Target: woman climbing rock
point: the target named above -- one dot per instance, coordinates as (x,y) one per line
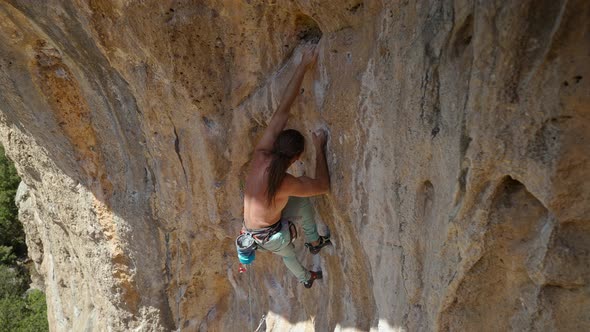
(273,199)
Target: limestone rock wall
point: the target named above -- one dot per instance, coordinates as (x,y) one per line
(459,158)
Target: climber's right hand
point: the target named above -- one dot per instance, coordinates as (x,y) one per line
(309,56)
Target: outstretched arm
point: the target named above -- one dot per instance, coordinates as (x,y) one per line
(279,118)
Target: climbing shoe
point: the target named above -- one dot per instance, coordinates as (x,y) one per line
(314,275)
(323,241)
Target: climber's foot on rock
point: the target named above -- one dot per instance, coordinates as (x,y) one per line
(322,242)
(314,275)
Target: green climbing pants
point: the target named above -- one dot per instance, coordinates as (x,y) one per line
(298,209)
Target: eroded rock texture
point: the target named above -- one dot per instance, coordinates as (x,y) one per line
(459,158)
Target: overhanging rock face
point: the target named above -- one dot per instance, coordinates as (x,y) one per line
(459,155)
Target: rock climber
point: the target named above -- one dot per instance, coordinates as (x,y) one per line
(273,198)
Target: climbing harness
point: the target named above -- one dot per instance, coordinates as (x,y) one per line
(262,235)
(250,240)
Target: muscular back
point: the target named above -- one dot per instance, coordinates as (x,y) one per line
(257,212)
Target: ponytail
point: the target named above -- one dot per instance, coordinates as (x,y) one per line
(276,173)
(289,144)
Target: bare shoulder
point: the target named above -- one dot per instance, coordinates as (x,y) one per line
(288,185)
(261,153)
(260,156)
(302,186)
(257,166)
(289,181)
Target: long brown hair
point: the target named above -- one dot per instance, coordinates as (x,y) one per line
(289,144)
